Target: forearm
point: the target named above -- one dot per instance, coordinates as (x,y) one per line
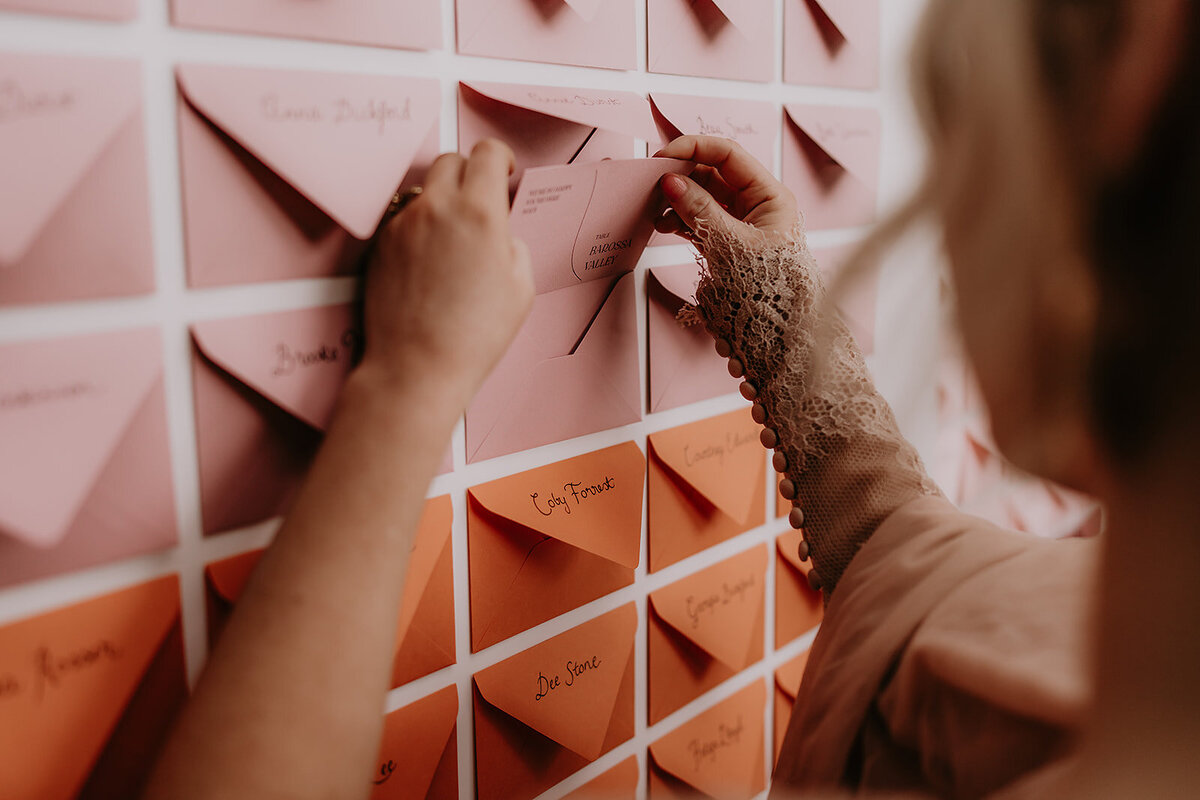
(291,702)
(845,455)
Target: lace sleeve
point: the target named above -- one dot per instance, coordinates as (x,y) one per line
(846,457)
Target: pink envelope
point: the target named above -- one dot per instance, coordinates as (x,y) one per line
(831,43)
(74,208)
(856,300)
(85,474)
(684,367)
(831,162)
(265,389)
(408,24)
(732,39)
(553,125)
(587,33)
(286,173)
(114,10)
(573,368)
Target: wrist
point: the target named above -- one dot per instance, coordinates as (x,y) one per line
(404,394)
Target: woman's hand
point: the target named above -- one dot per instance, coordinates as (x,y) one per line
(448,285)
(728,190)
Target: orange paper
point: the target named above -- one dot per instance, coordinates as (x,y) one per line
(618,783)
(798,607)
(718,754)
(787,683)
(704,629)
(707,483)
(425,633)
(88,693)
(418,756)
(551,539)
(550,710)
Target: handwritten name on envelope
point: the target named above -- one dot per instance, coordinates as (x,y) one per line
(720,753)
(554,708)
(551,539)
(704,629)
(831,162)
(88,694)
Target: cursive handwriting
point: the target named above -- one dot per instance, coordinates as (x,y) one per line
(289,359)
(578,490)
(547,684)
(52,669)
(733,441)
(385,771)
(16,103)
(574,100)
(697,607)
(728,130)
(342,111)
(24,398)
(706,750)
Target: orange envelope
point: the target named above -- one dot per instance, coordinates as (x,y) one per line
(287,173)
(425,632)
(783,506)
(418,757)
(732,39)
(85,471)
(549,540)
(74,208)
(720,753)
(88,694)
(798,608)
(550,710)
(704,629)
(707,483)
(787,683)
(831,43)
(618,783)
(831,163)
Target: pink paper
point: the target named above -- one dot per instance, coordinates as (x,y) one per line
(732,39)
(550,125)
(831,163)
(754,124)
(85,475)
(684,367)
(856,300)
(409,24)
(588,33)
(285,173)
(831,43)
(74,209)
(113,10)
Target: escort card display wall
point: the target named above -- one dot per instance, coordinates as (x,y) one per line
(603,596)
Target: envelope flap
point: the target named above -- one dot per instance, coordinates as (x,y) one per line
(65,405)
(788,677)
(585,8)
(719,457)
(679,280)
(296,359)
(622,112)
(57,115)
(846,15)
(719,752)
(566,688)
(229,576)
(715,608)
(788,545)
(433,534)
(415,737)
(592,502)
(739,12)
(850,136)
(68,676)
(344,141)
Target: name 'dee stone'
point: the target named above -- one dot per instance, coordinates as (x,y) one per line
(545,685)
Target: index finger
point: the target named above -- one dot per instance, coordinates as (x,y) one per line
(737,167)
(487,170)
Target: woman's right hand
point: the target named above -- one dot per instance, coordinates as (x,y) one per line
(728,190)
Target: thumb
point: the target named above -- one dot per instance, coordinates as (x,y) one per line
(693,203)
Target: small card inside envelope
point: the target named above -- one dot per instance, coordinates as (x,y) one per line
(583,222)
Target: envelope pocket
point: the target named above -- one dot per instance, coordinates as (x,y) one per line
(720,753)
(587,33)
(552,539)
(554,708)
(286,174)
(831,43)
(707,483)
(798,607)
(418,757)
(831,163)
(711,38)
(704,629)
(89,693)
(572,370)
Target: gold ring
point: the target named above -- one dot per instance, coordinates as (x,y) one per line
(401,199)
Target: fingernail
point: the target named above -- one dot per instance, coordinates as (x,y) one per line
(674,187)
